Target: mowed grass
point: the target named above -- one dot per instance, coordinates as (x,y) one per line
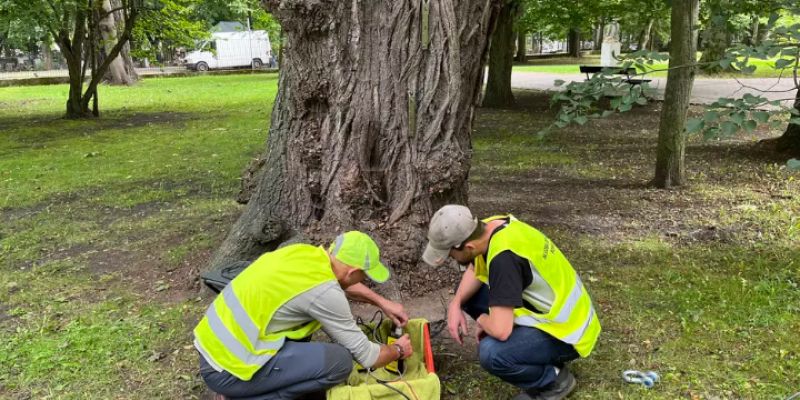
(569,66)
(101,222)
(104,224)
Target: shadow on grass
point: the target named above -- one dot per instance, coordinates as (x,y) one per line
(33,132)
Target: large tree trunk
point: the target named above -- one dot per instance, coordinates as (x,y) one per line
(574,42)
(522,51)
(501,59)
(644,35)
(121,70)
(753,39)
(716,37)
(790,140)
(371,125)
(680,78)
(597,42)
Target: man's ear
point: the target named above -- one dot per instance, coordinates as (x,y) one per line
(350,272)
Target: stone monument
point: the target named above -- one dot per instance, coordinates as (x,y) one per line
(611,45)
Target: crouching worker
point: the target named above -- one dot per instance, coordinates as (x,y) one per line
(533,313)
(254,338)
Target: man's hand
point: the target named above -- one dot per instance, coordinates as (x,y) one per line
(405,343)
(479,333)
(396,312)
(456,323)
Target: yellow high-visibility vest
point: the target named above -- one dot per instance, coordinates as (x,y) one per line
(572,317)
(232,333)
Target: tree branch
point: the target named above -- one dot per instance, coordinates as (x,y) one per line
(126,35)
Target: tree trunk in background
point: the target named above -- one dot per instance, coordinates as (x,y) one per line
(121,70)
(753,39)
(574,42)
(501,59)
(790,140)
(47,56)
(644,35)
(671,131)
(369,130)
(522,51)
(716,38)
(597,42)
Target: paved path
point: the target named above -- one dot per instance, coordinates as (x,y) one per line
(705,91)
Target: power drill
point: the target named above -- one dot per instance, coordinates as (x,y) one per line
(395,367)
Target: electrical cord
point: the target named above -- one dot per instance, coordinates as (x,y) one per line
(374,323)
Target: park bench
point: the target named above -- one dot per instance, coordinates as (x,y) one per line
(629,73)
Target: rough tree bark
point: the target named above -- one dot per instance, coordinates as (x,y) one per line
(121,70)
(574,42)
(789,142)
(597,36)
(501,59)
(644,34)
(370,129)
(752,40)
(78,54)
(680,78)
(522,51)
(716,37)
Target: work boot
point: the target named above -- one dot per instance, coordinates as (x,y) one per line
(563,385)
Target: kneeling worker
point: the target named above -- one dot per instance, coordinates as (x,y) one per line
(533,313)
(253,339)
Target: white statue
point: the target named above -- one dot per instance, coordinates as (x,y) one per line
(610,48)
(611,31)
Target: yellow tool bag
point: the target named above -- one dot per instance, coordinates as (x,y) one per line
(417,382)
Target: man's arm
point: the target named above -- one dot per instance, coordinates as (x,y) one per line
(498,323)
(456,322)
(393,310)
(467,288)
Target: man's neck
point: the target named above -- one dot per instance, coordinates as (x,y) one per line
(491,226)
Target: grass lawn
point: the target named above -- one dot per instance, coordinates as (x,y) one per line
(569,66)
(106,223)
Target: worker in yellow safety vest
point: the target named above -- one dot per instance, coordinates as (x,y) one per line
(254,338)
(533,313)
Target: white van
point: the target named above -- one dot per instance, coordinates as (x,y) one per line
(231,50)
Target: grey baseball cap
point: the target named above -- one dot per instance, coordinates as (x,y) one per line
(449,227)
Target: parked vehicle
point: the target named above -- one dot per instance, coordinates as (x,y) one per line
(231,50)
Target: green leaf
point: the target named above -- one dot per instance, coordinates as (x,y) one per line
(641,100)
(760,116)
(737,118)
(750,125)
(795,121)
(559,82)
(793,164)
(694,125)
(782,63)
(625,107)
(750,99)
(729,128)
(607,113)
(581,119)
(711,133)
(711,116)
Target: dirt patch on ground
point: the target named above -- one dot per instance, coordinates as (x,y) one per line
(34,138)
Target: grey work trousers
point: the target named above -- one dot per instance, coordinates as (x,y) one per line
(298,369)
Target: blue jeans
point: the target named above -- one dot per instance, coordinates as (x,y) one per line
(298,369)
(527,359)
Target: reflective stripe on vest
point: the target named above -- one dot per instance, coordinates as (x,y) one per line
(245,323)
(572,317)
(234,346)
(233,333)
